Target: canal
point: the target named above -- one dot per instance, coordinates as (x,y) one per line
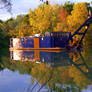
(46,71)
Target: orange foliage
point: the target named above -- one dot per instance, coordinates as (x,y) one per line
(62,15)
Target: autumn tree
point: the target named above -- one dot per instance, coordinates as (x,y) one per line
(62,20)
(23,29)
(43,19)
(77,17)
(11,25)
(18,27)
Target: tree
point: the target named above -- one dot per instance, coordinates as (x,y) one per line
(24,28)
(3,35)
(89,7)
(45,1)
(12,25)
(6,4)
(62,20)
(62,15)
(43,19)
(68,6)
(77,17)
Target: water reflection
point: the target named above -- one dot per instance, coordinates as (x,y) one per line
(57,71)
(55,58)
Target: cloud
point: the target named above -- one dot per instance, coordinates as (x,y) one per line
(4,15)
(20,7)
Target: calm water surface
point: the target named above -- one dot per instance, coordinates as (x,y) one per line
(46,71)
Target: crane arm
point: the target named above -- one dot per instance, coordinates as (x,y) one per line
(86,25)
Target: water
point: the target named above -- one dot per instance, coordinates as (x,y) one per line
(46,71)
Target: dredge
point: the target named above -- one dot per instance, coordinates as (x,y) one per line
(51,40)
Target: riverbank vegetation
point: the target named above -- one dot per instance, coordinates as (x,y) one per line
(48,18)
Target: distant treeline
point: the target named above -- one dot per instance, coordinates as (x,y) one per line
(47,18)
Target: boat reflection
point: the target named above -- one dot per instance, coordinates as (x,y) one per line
(55,58)
(66,70)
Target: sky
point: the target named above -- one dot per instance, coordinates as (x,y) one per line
(22,7)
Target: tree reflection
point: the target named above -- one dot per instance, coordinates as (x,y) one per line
(57,78)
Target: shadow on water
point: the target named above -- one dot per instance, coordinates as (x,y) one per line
(57,71)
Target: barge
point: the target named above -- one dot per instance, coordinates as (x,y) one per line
(48,41)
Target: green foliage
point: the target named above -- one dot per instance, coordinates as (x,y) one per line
(68,6)
(13,25)
(89,7)
(23,29)
(4,38)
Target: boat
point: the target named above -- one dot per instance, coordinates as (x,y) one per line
(51,40)
(48,41)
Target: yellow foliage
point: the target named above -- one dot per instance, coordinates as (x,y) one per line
(43,18)
(79,77)
(77,17)
(58,27)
